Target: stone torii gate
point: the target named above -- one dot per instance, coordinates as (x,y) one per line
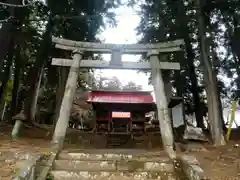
(153,50)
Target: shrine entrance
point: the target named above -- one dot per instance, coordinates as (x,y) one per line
(120,111)
(155,54)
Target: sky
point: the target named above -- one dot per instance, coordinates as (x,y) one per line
(125,33)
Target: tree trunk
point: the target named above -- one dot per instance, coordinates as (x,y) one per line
(209,104)
(63,120)
(16,129)
(224,128)
(33,107)
(36,73)
(235,43)
(211,83)
(5,39)
(215,72)
(4,91)
(238,81)
(185,33)
(194,87)
(30,104)
(162,107)
(4,101)
(5,80)
(17,74)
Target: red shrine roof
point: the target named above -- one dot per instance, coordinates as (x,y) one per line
(128,97)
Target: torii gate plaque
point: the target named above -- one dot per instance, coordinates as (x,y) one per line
(154,65)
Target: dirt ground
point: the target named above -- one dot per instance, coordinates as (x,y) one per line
(11,151)
(222,163)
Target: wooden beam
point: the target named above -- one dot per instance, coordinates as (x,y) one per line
(125,48)
(99,64)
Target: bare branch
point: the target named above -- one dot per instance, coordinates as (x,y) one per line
(6,20)
(16,5)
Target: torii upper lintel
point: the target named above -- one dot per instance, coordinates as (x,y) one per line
(70,45)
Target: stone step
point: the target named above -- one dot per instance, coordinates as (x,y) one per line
(121,165)
(110,157)
(93,157)
(85,175)
(110,151)
(116,141)
(113,155)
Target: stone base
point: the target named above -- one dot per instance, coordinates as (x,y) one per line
(84,175)
(192,146)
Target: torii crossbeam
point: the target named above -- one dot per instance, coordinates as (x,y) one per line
(116,50)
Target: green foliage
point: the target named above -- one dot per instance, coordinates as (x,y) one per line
(8,96)
(50,177)
(77,20)
(168,20)
(114,84)
(132,86)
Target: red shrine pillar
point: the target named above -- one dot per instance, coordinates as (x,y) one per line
(109,121)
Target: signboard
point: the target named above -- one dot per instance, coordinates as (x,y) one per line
(121,115)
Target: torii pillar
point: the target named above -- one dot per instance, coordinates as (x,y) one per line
(162,104)
(63,118)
